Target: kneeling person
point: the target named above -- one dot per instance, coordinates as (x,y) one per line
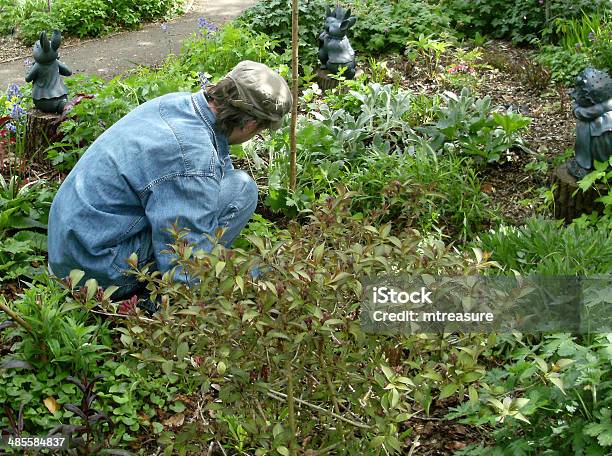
(166,160)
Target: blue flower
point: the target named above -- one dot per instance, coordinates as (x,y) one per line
(11,127)
(13,91)
(204,24)
(164,27)
(17,111)
(28,62)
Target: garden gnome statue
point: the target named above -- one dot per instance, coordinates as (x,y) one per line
(593,111)
(335,51)
(49,91)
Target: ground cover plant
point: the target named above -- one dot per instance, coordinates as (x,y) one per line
(432,162)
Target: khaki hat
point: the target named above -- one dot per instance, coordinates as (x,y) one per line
(264,93)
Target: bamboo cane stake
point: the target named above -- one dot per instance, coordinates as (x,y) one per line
(294,89)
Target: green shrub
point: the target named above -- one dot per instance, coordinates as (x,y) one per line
(522,21)
(387,26)
(273,17)
(67,339)
(416,178)
(565,65)
(92,17)
(421,190)
(218,52)
(600,49)
(9,16)
(254,345)
(29,29)
(582,42)
(149,10)
(82,18)
(24,211)
(471,126)
(123,13)
(31,6)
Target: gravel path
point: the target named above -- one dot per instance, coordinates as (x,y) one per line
(114,54)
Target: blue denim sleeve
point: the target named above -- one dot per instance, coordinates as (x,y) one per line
(190,200)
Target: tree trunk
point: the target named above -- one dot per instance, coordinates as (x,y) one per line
(41,131)
(569,206)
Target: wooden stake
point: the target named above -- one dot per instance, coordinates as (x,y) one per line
(294,89)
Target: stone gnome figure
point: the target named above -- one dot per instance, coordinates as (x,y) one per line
(593,111)
(335,51)
(49,91)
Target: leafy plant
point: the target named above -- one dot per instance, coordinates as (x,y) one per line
(564,65)
(9,15)
(30,28)
(82,18)
(90,18)
(546,247)
(556,392)
(469,125)
(92,434)
(388,26)
(575,33)
(599,178)
(428,50)
(265,336)
(218,52)
(24,210)
(522,21)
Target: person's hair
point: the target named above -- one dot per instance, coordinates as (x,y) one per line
(229,117)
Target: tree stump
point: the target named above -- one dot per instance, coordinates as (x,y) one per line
(324,81)
(327,83)
(41,131)
(569,206)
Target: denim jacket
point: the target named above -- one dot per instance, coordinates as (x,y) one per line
(160,163)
